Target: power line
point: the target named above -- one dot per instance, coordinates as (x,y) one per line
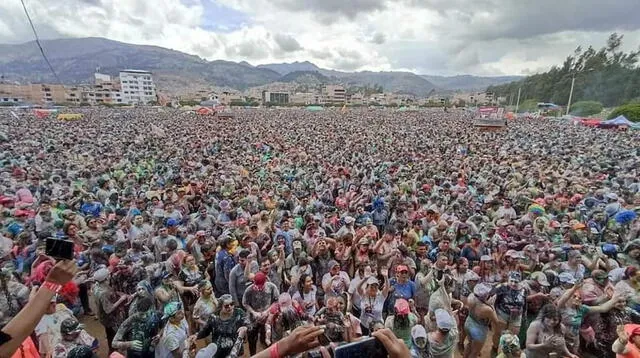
(38,42)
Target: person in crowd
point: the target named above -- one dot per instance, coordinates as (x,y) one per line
(73,335)
(137,333)
(284,316)
(173,341)
(227,329)
(111,305)
(546,335)
(510,305)
(372,298)
(320,206)
(206,305)
(257,300)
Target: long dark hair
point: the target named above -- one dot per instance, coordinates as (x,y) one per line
(551,311)
(303,278)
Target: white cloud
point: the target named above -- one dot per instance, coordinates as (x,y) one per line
(488,37)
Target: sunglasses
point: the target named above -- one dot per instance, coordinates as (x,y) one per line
(227,305)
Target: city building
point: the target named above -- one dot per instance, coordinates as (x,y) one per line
(474,99)
(34,93)
(305,98)
(137,87)
(275,97)
(334,94)
(10,99)
(228,97)
(355,99)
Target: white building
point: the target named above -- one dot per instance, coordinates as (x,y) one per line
(275,97)
(334,94)
(137,87)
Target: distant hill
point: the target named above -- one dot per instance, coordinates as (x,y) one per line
(405,82)
(305,77)
(468,82)
(286,68)
(75,61)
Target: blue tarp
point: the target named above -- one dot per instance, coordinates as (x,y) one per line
(619,121)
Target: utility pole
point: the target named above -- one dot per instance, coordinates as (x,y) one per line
(573,81)
(518,100)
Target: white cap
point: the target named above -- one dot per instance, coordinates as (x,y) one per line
(208,351)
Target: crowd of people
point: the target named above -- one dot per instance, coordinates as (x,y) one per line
(290,233)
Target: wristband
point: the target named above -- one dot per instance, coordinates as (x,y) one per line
(273,351)
(53,287)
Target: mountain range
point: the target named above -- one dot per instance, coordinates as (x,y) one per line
(75,60)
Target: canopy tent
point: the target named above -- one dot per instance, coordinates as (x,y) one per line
(43,113)
(590,122)
(618,121)
(210,103)
(203,111)
(314,108)
(69,116)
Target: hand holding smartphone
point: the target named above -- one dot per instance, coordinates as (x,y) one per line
(366,348)
(59,249)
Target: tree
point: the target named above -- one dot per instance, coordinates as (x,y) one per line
(607,75)
(529,105)
(586,108)
(631,111)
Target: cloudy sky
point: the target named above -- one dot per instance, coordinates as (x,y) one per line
(482,37)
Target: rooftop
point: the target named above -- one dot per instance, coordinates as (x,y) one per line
(136,71)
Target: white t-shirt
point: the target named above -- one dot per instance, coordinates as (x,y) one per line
(307,298)
(339,285)
(50,324)
(371,309)
(173,337)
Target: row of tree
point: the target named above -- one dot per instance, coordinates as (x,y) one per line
(608,75)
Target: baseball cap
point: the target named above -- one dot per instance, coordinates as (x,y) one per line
(401,268)
(599,274)
(171,222)
(515,276)
(170,309)
(333,263)
(482,291)
(101,275)
(573,254)
(373,281)
(444,320)
(363,241)
(567,278)
(418,331)
(208,351)
(471,276)
(226,299)
(401,307)
(260,279)
(70,325)
(540,277)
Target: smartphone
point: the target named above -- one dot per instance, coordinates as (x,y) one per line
(366,348)
(59,249)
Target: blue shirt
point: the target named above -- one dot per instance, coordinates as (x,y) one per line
(405,290)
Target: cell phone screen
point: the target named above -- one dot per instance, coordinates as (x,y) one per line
(366,348)
(59,249)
